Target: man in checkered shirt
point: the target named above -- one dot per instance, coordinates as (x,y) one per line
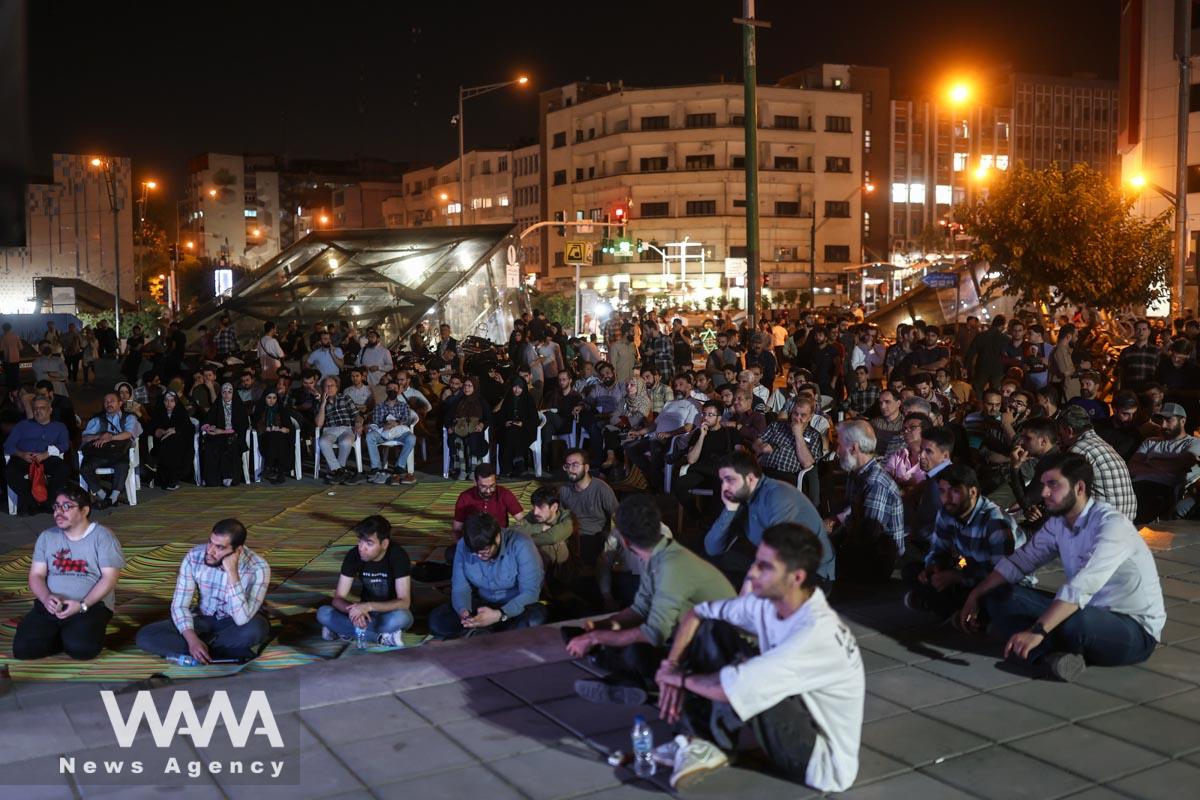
(868,534)
(781,455)
(225,339)
(229,623)
(1139,361)
(341,425)
(657,352)
(1112,482)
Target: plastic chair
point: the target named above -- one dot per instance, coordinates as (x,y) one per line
(317,453)
(297,471)
(487,457)
(131,480)
(245,459)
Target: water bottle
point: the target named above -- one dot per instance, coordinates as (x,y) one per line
(183,660)
(643,748)
(360,638)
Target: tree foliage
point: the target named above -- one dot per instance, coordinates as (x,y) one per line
(1060,238)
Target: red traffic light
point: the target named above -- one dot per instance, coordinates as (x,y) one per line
(619,212)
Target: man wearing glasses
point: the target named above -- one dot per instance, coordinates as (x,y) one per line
(73,579)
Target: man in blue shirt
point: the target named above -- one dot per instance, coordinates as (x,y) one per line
(42,441)
(106,442)
(496,582)
(754,503)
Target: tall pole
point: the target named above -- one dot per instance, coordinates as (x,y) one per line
(1183,49)
(750,118)
(462,178)
(812,250)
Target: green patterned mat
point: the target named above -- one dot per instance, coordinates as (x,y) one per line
(301,531)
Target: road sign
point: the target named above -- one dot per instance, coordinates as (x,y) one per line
(735,268)
(940,280)
(578,253)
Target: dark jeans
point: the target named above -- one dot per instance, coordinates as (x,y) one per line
(119,465)
(16,473)
(1154,501)
(12,374)
(41,634)
(696,478)
(73,366)
(785,731)
(649,455)
(224,637)
(943,603)
(864,554)
(1104,638)
(444,622)
(633,665)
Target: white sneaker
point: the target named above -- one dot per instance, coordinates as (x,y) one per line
(665,753)
(695,759)
(391,639)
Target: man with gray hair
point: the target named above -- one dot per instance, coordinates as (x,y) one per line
(868,534)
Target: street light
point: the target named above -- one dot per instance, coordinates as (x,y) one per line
(959,94)
(467,94)
(1139,182)
(108,170)
(323,219)
(147,186)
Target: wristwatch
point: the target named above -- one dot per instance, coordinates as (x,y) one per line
(1038,629)
(83,606)
(503,617)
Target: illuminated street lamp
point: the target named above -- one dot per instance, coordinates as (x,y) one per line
(959,94)
(108,170)
(323,219)
(1139,182)
(467,94)
(212,193)
(147,186)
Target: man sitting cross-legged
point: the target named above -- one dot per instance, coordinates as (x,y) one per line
(382,569)
(632,642)
(800,690)
(229,625)
(1110,609)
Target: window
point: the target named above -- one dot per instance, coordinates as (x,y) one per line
(837,164)
(594,214)
(737,119)
(656,123)
(866,223)
(868,101)
(700,121)
(837,124)
(985,161)
(941,195)
(560,177)
(486,169)
(454,208)
(837,208)
(656,164)
(559,259)
(591,172)
(591,133)
(579,173)
(960,162)
(790,123)
(579,135)
(739,202)
(837,253)
(655,210)
(901,126)
(867,140)
(560,139)
(250,212)
(787,208)
(699,162)
(737,162)
(701,208)
(737,251)
(787,253)
(916,193)
(787,162)
(899,192)
(502,164)
(1001,162)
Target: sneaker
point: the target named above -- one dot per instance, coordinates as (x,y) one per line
(353,478)
(407,478)
(1066,667)
(380,477)
(694,760)
(174,487)
(327,634)
(913,602)
(607,691)
(665,753)
(391,639)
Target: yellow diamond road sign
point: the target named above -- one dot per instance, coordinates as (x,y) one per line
(578,253)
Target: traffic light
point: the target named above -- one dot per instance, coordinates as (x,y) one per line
(174,251)
(766,278)
(619,217)
(559,216)
(641,246)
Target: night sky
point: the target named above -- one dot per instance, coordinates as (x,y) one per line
(339,79)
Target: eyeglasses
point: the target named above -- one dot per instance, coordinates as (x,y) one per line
(64,507)
(911,428)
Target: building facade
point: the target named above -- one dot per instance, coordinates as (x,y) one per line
(1062,121)
(527,201)
(70,233)
(360,205)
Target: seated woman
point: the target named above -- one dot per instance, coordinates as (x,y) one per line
(276,437)
(73,579)
(174,445)
(466,422)
(515,428)
(224,440)
(634,412)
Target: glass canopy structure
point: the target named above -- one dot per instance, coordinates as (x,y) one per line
(389,279)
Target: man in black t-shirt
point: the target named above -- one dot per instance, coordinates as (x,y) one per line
(382,570)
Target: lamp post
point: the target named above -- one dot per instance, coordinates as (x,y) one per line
(466,94)
(959,94)
(1139,182)
(108,170)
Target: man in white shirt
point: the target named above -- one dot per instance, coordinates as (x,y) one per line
(1109,612)
(375,359)
(801,690)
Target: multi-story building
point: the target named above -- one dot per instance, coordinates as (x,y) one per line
(527,201)
(672,160)
(1061,120)
(429,196)
(1148,114)
(70,233)
(360,205)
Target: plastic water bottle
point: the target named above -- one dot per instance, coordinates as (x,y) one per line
(643,748)
(183,660)
(360,638)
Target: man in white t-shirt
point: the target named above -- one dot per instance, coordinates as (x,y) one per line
(801,690)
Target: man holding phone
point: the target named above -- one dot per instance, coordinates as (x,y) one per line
(228,626)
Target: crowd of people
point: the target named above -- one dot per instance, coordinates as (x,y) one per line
(798,458)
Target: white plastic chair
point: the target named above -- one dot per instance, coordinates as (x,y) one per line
(297,470)
(12,494)
(535,447)
(131,480)
(487,457)
(358,446)
(245,459)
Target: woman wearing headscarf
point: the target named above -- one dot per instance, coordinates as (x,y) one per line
(174,444)
(467,421)
(224,439)
(276,437)
(633,413)
(515,427)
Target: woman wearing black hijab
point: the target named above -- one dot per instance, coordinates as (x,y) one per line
(276,437)
(515,427)
(174,446)
(224,440)
(466,423)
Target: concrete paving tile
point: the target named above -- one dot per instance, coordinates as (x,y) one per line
(875,662)
(1168,568)
(910,784)
(917,740)
(192,791)
(586,719)
(382,759)
(1097,793)
(1150,728)
(1163,782)
(745,784)
(35,779)
(559,772)
(1188,613)
(634,790)
(1176,662)
(1185,704)
(1003,774)
(873,766)
(47,732)
(1062,700)
(992,717)
(1191,645)
(460,700)
(546,682)
(618,738)
(1176,632)
(154,762)
(982,671)
(321,776)
(915,688)
(377,716)
(1183,590)
(506,733)
(1094,755)
(473,781)
(910,650)
(1131,683)
(1182,555)
(875,707)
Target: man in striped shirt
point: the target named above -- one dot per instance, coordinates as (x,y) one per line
(228,625)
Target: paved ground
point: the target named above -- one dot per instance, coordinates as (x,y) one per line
(496,717)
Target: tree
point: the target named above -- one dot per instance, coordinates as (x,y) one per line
(1061,238)
(557,306)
